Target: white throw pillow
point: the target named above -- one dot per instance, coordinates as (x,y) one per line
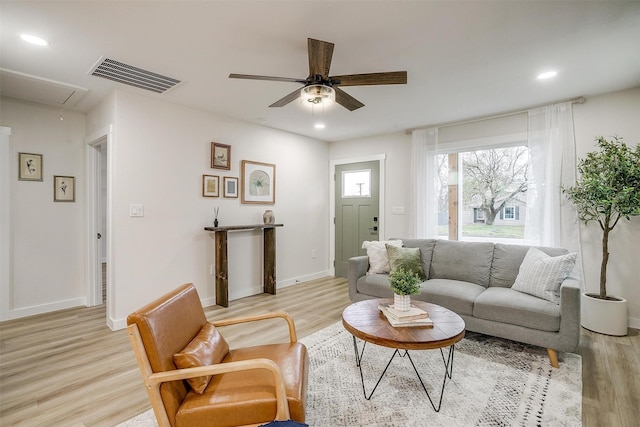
(377,253)
(541,275)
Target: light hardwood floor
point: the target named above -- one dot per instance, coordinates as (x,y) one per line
(69,369)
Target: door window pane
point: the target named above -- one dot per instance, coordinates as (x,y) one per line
(356,183)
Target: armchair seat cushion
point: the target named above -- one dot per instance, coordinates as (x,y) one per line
(220,401)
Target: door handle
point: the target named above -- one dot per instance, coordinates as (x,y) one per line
(374,228)
(99,236)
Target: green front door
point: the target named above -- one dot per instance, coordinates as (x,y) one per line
(357,218)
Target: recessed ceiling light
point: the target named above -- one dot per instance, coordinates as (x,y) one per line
(34,39)
(547,75)
(319,126)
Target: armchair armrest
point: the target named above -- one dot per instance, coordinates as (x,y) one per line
(271,315)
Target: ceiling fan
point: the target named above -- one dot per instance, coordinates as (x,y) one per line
(319,86)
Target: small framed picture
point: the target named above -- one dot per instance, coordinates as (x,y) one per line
(210,186)
(29,167)
(64,188)
(258,183)
(220,156)
(230,187)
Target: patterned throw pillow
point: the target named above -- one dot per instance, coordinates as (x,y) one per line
(408,258)
(541,275)
(377,253)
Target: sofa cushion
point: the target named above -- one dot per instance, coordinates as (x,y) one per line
(407,258)
(207,348)
(508,306)
(455,295)
(541,275)
(375,285)
(464,261)
(378,257)
(507,260)
(426,251)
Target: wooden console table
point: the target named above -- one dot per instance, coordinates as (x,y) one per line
(222,267)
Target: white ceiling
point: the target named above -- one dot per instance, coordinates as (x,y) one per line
(464,59)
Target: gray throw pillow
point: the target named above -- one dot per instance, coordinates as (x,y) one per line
(541,275)
(408,258)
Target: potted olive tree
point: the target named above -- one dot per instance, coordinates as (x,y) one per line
(404,283)
(607,190)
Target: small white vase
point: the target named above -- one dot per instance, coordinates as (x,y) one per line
(607,317)
(268,217)
(401,302)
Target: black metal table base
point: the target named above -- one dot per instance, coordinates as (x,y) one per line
(448,371)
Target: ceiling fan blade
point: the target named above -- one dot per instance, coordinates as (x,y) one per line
(276,79)
(389,78)
(286,99)
(320,54)
(346,100)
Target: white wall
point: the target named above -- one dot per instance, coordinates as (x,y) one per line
(159,153)
(46,238)
(609,114)
(615,113)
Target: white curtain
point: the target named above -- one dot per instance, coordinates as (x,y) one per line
(423,169)
(551,219)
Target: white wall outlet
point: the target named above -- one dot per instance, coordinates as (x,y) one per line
(314,254)
(136,210)
(211,270)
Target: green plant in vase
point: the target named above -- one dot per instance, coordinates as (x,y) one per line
(404,283)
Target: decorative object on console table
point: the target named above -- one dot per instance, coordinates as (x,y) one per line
(404,283)
(268,217)
(216,210)
(220,156)
(258,183)
(607,190)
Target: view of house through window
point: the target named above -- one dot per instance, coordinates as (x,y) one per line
(356,183)
(482,194)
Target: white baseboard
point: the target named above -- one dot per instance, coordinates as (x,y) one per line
(47,308)
(634,323)
(305,278)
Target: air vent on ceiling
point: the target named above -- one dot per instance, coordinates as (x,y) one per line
(133,76)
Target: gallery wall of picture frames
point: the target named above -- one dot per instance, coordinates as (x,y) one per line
(256,184)
(30,168)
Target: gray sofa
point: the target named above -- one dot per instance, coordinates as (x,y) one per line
(474,280)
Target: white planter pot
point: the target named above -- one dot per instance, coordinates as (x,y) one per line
(401,302)
(604,316)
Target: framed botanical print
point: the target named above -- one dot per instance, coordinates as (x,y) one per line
(230,187)
(258,183)
(210,186)
(220,156)
(64,188)
(29,167)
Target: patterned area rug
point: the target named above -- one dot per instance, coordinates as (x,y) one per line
(495,382)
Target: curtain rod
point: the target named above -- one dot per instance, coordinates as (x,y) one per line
(579,100)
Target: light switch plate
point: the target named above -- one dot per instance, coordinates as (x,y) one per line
(397,210)
(136,210)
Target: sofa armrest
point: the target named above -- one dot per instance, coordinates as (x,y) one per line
(570,312)
(358,267)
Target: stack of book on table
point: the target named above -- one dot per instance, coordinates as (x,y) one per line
(414,317)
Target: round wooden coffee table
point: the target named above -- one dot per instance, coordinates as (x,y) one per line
(366,322)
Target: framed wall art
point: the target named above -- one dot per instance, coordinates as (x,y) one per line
(64,188)
(210,186)
(220,156)
(29,167)
(230,187)
(258,183)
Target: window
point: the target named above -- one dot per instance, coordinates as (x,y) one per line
(481,194)
(356,183)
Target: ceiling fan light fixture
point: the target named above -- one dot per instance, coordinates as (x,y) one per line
(318,94)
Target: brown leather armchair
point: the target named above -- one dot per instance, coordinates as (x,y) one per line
(194,379)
